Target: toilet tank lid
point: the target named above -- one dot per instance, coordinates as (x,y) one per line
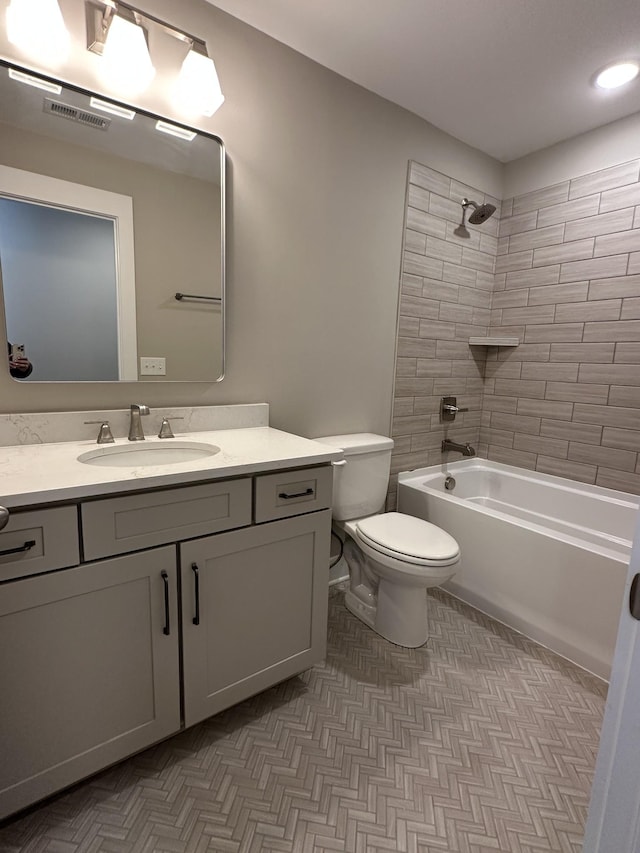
(360,442)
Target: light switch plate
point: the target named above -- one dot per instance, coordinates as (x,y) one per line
(152,366)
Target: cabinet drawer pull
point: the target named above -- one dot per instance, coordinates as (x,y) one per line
(167,628)
(196,574)
(288,497)
(26,547)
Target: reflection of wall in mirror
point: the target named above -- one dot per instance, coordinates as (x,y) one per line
(176,227)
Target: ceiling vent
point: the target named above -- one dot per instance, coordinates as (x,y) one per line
(57,108)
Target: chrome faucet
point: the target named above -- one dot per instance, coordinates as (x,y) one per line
(465,449)
(136,433)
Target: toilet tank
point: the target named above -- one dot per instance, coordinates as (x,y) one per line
(360,485)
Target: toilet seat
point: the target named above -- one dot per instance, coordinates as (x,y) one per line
(408,539)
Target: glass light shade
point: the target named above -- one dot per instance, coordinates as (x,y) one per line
(197,90)
(37,28)
(617,75)
(126,64)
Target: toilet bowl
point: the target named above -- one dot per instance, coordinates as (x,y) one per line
(393,558)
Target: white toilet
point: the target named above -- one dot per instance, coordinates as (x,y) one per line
(393,558)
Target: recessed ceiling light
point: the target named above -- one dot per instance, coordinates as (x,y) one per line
(617,75)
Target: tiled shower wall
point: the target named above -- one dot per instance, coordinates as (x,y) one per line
(567,284)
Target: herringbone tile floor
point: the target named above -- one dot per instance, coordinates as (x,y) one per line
(479,742)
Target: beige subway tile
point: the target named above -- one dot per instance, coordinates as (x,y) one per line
(549,236)
(636,218)
(455,274)
(443,251)
(425,223)
(630,309)
(612,265)
(519,458)
(614,288)
(617,199)
(416,348)
(508,405)
(620,330)
(437,329)
(466,330)
(496,317)
(634,262)
(501,437)
(604,223)
(502,246)
(453,350)
(515,423)
(611,374)
(617,244)
(473,296)
(610,457)
(604,309)
(620,480)
(406,462)
(409,327)
(499,281)
(605,179)
(507,207)
(627,353)
(459,190)
(401,445)
(440,290)
(541,198)
(576,251)
(571,431)
(433,367)
(427,440)
(481,316)
(415,242)
(427,405)
(556,332)
(467,368)
(488,244)
(535,277)
(514,261)
(625,395)
(578,209)
(542,444)
(545,409)
(456,313)
(416,264)
(625,439)
(520,388)
(577,392)
(406,366)
(486,280)
(582,352)
(515,224)
(510,298)
(502,370)
(410,386)
(616,416)
(417,306)
(564,468)
(558,371)
(411,285)
(525,352)
(445,208)
(477,260)
(507,331)
(402,407)
(531,314)
(418,198)
(409,425)
(557,293)
(429,179)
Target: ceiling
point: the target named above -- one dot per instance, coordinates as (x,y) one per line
(506,76)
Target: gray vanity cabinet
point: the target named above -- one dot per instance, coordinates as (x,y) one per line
(98,645)
(254,609)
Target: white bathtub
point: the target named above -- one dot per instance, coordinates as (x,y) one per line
(545,555)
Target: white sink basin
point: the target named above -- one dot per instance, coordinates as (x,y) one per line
(169,452)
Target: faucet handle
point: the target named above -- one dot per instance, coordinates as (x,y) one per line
(165,429)
(105,436)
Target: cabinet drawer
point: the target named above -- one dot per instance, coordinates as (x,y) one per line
(133,522)
(292,492)
(42,540)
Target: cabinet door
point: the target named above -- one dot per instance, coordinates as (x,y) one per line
(254,610)
(89,671)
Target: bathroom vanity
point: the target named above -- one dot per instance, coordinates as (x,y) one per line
(136,601)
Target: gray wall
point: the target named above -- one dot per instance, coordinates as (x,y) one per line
(317,172)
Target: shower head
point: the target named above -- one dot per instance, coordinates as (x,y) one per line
(480,212)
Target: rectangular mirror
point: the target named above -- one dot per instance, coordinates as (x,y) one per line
(111,238)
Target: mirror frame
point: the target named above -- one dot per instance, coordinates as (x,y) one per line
(5,64)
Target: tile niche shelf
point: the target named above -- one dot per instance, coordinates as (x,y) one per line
(494,341)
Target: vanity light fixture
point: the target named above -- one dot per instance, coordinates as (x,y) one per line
(112,109)
(38,82)
(111,22)
(174,130)
(36,27)
(617,74)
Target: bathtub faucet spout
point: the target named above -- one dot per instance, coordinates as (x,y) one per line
(465,449)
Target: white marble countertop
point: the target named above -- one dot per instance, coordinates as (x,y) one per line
(47,473)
